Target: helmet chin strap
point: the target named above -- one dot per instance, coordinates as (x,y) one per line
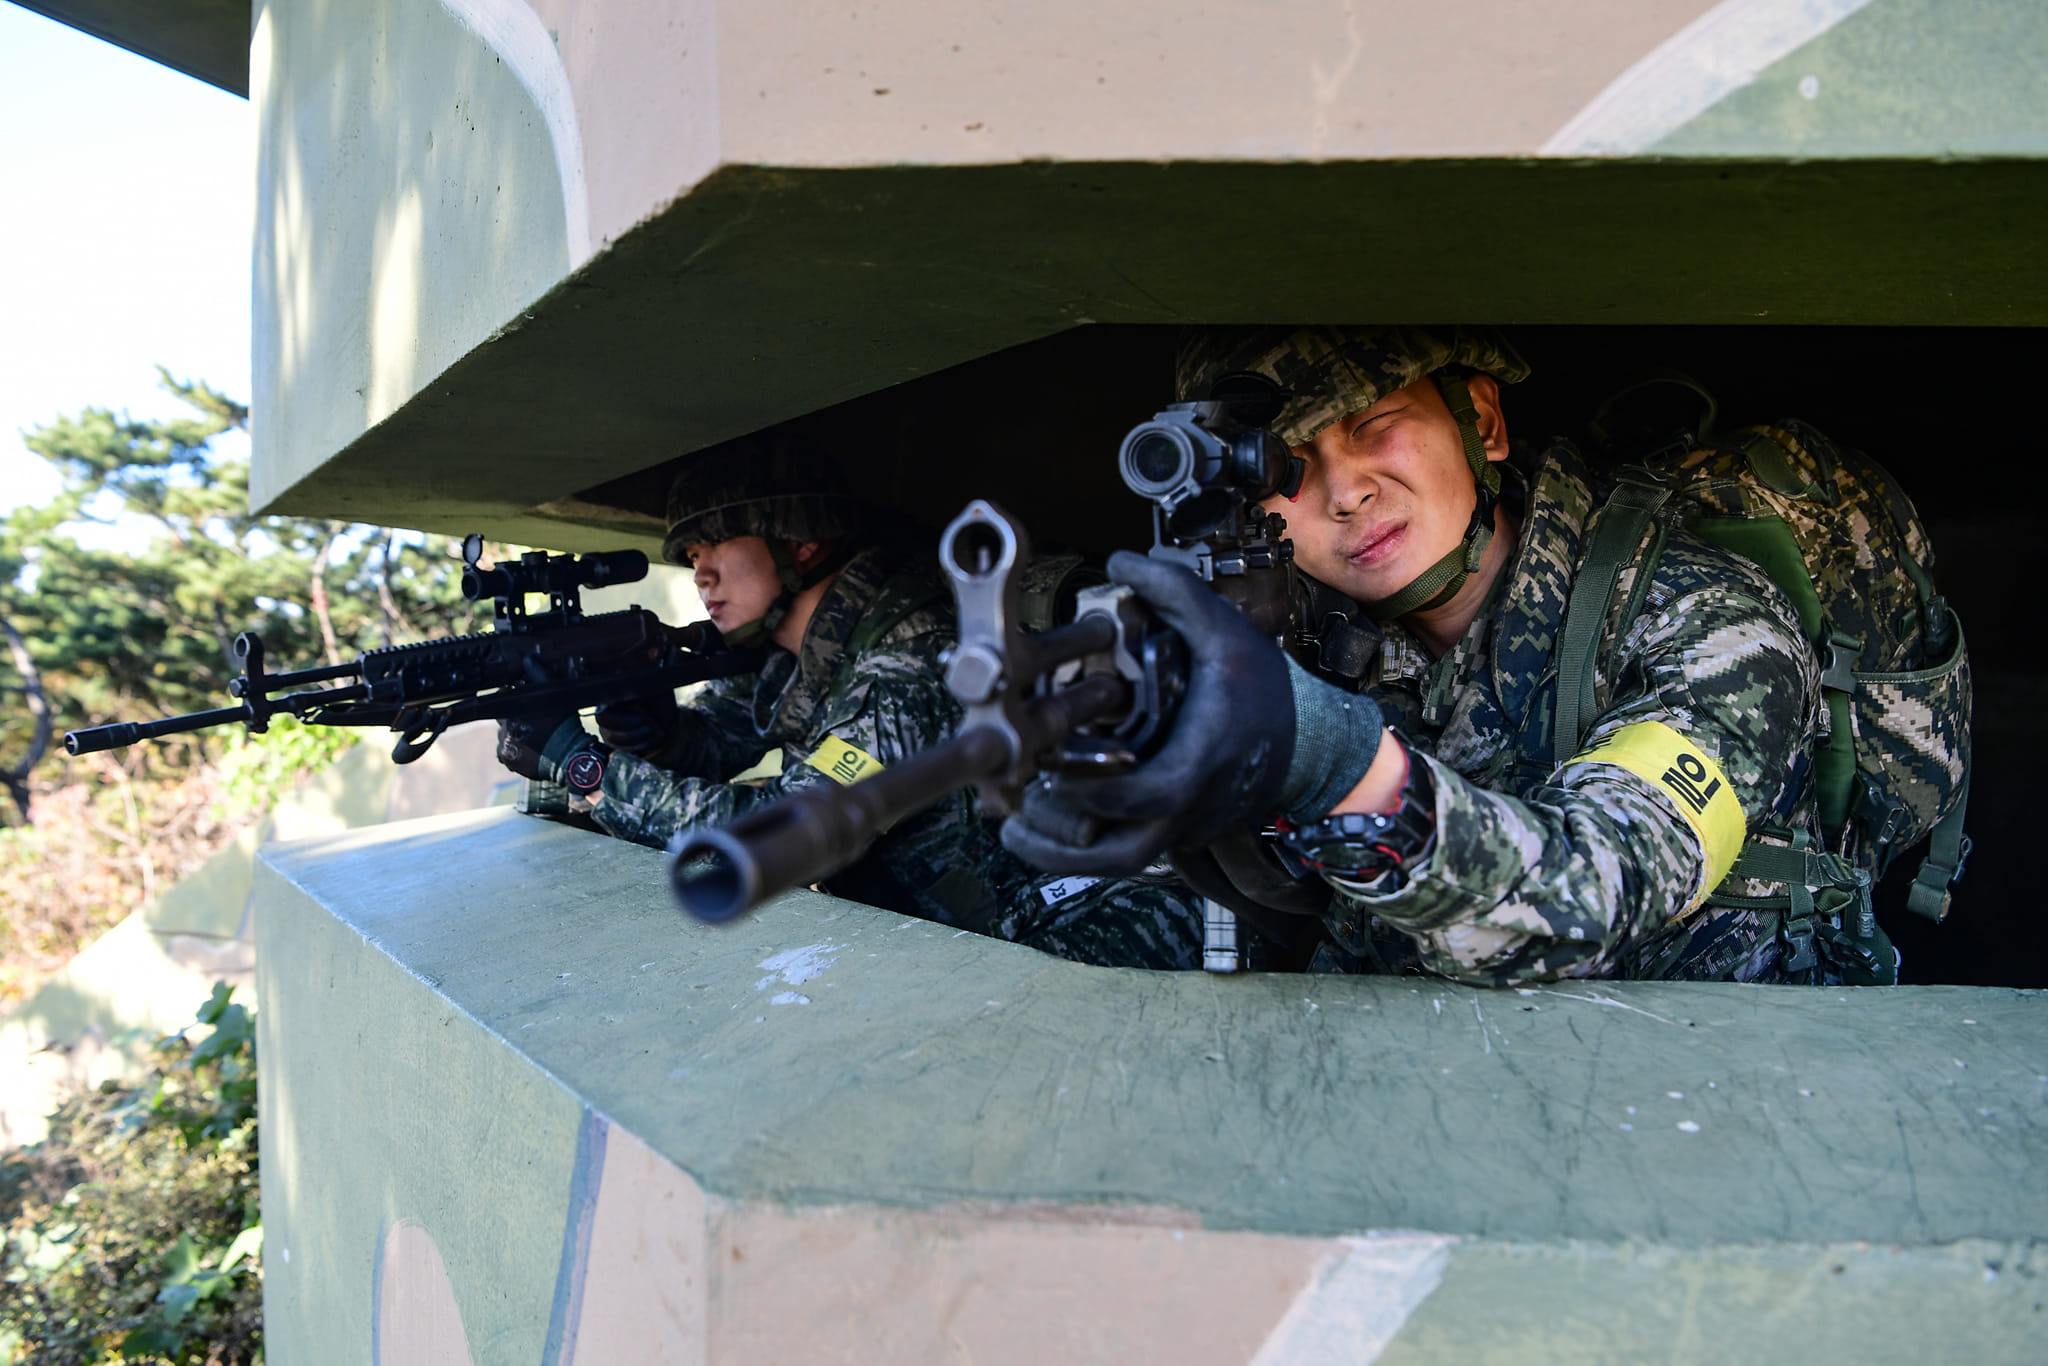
(1439,583)
(794,581)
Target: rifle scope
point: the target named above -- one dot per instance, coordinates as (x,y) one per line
(539,572)
(1200,461)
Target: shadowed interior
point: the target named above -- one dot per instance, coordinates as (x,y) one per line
(1036,429)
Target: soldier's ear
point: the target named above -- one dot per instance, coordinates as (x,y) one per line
(1493,424)
(807,553)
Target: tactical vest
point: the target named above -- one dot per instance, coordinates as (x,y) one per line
(1836,533)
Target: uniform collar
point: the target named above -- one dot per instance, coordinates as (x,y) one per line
(793,687)
(1515,630)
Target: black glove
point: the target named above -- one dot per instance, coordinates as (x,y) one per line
(1250,874)
(540,745)
(640,726)
(1255,735)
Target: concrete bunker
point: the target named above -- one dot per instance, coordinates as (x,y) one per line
(512,257)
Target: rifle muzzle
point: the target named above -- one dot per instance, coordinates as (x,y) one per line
(721,873)
(117,736)
(122,733)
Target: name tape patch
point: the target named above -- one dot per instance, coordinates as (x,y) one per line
(841,762)
(1056,892)
(1695,783)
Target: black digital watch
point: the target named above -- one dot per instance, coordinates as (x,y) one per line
(1365,845)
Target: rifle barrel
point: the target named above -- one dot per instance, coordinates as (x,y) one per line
(719,873)
(121,733)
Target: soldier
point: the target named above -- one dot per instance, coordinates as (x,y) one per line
(1431,805)
(852,632)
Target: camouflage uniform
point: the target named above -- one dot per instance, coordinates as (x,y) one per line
(1537,870)
(881,692)
(1587,870)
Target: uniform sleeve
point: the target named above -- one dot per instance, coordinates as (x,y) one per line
(1558,883)
(892,708)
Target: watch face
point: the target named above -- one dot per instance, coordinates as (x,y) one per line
(584,772)
(1355,846)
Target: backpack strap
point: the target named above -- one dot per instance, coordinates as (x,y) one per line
(1948,849)
(1827,911)
(915,591)
(1628,513)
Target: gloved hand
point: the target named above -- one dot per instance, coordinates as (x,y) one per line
(1238,870)
(1254,735)
(539,745)
(1238,873)
(640,726)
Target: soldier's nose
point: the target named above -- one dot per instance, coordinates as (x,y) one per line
(1352,496)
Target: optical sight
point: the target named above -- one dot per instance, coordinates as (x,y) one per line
(1199,462)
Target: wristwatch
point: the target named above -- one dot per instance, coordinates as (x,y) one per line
(1363,846)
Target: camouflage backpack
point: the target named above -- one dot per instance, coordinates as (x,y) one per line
(1838,535)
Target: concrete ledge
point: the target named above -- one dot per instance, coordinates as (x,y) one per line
(514,1101)
(960,262)
(206,39)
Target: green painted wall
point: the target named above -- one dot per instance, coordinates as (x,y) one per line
(808,288)
(1934,78)
(1510,1306)
(358,1087)
(408,206)
(436,347)
(929,1066)
(463,1014)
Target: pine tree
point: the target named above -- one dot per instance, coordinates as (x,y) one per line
(147,632)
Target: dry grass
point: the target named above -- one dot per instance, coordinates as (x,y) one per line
(98,847)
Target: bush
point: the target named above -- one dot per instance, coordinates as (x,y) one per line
(132,1231)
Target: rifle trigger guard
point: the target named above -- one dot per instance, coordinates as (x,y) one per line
(414,723)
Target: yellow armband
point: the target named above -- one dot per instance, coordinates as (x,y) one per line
(1695,783)
(843,763)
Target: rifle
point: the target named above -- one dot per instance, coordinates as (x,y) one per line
(559,658)
(1096,696)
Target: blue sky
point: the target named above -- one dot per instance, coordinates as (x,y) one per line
(126,202)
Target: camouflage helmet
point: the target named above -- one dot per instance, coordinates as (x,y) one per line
(772,484)
(1331,371)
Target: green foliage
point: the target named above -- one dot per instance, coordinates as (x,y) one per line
(145,630)
(259,769)
(132,1231)
(120,634)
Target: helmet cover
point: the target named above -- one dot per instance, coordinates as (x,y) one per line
(772,484)
(1332,371)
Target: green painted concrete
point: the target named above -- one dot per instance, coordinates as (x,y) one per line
(206,39)
(408,206)
(806,288)
(1897,78)
(1520,1305)
(363,1072)
(929,1068)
